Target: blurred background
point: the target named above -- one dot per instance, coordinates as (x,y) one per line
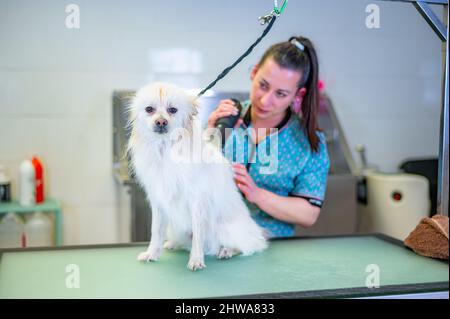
(63,91)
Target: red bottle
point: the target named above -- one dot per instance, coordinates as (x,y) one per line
(39,175)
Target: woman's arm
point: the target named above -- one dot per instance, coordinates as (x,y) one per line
(292,210)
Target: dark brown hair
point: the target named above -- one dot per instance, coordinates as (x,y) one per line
(287,55)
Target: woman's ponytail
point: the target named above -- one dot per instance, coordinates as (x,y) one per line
(310,103)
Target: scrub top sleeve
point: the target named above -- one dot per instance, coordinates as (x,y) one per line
(312,181)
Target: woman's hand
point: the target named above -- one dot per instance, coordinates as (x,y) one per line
(246,184)
(225,108)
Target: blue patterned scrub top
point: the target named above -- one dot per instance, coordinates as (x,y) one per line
(283,163)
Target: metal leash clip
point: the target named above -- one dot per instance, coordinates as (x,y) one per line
(266,19)
(275,12)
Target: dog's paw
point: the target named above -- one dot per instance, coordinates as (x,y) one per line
(196,263)
(169,245)
(225,253)
(149,256)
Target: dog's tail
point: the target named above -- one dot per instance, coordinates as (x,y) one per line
(245,235)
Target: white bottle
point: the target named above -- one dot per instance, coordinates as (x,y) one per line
(39,231)
(11,231)
(27,184)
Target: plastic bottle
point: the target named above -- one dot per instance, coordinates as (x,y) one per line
(27,184)
(39,231)
(5,186)
(11,231)
(39,179)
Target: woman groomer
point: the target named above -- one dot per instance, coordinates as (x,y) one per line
(281,116)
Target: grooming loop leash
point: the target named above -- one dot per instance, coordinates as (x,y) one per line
(270,19)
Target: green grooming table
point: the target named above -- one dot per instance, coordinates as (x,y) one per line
(323,267)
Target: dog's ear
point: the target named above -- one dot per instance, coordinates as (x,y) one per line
(195,104)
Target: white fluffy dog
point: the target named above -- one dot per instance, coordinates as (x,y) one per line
(195,204)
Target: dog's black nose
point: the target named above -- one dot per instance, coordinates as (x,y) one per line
(161,123)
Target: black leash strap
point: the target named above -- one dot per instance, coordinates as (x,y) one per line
(228,69)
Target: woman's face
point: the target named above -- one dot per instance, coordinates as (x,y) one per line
(273,90)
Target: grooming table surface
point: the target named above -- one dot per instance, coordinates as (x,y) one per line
(300,267)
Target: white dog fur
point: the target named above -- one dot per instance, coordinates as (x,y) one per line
(196,205)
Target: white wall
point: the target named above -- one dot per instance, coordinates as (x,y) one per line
(56,83)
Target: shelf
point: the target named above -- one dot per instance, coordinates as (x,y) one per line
(49,205)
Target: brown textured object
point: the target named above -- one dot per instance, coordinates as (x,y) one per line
(430,237)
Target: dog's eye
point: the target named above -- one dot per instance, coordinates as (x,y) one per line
(149,109)
(172,110)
